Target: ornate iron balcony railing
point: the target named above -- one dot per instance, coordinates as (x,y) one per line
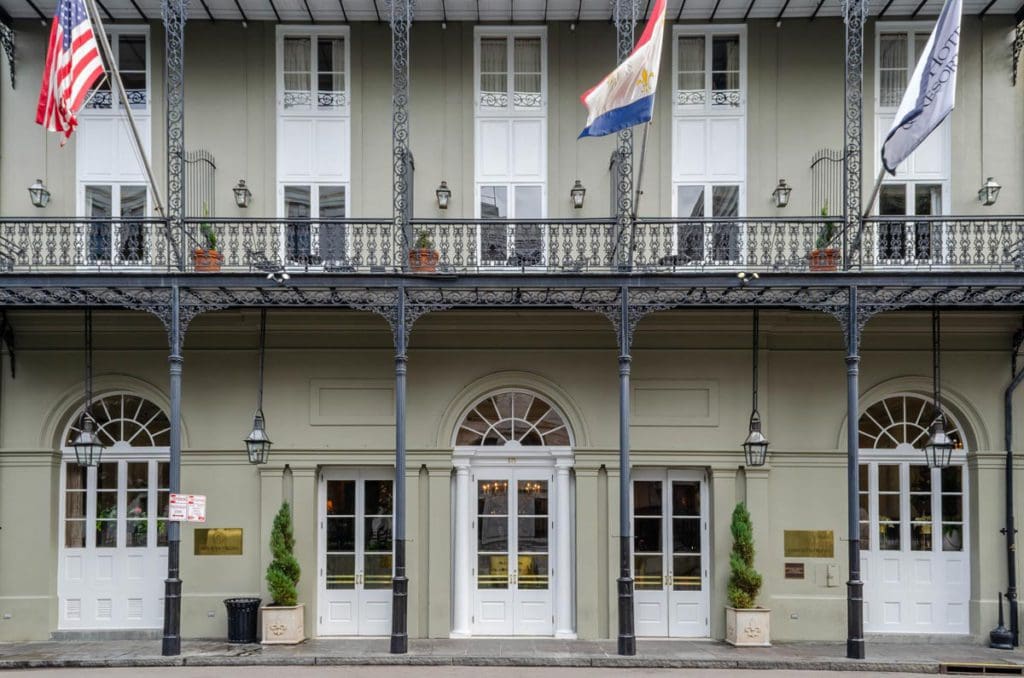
(691,245)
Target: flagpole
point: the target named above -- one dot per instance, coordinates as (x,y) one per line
(874,192)
(101,34)
(639,192)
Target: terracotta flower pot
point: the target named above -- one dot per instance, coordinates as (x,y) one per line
(207,260)
(824,259)
(423,260)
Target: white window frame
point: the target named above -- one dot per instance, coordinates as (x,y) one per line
(511,33)
(113,33)
(708,32)
(312,32)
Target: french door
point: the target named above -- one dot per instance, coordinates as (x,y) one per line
(513,547)
(670,553)
(915,551)
(315,233)
(113,237)
(356,548)
(520,242)
(113,554)
(910,241)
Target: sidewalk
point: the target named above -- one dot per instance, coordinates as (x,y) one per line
(924,657)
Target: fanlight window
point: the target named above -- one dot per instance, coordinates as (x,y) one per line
(513,417)
(902,420)
(126,421)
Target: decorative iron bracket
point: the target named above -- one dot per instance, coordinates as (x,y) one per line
(7,42)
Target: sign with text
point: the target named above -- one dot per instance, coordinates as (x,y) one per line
(187,507)
(808,544)
(218,541)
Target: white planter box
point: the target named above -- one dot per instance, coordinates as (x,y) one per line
(747,628)
(283,625)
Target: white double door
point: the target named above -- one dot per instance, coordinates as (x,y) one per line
(513,565)
(113,548)
(670,553)
(356,552)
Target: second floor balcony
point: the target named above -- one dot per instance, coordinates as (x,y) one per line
(465,246)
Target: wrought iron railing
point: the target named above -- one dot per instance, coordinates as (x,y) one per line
(691,245)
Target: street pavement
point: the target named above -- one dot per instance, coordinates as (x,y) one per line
(416,672)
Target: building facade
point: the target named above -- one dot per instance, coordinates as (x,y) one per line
(492,385)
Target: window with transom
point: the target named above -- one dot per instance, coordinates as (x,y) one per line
(313,72)
(125,420)
(510,71)
(513,418)
(709,70)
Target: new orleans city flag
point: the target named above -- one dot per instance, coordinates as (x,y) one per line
(626,96)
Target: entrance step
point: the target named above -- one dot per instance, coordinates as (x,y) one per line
(108,634)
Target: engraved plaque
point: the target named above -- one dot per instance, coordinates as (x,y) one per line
(794,570)
(218,541)
(809,544)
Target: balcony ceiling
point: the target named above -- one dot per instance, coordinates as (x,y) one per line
(504,11)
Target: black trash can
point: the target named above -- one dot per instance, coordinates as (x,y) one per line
(243,619)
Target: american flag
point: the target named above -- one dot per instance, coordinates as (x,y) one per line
(73,64)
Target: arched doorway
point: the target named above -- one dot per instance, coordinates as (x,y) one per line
(914,524)
(513,519)
(113,530)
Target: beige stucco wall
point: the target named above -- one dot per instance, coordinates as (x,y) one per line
(795,104)
(454,357)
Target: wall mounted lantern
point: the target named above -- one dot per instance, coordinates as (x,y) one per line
(38,193)
(755,447)
(989,192)
(780,196)
(258,443)
(87,445)
(577,193)
(243,196)
(444,195)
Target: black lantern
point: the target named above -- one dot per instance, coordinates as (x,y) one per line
(258,443)
(243,196)
(577,193)
(989,192)
(38,193)
(755,447)
(444,195)
(939,448)
(780,196)
(87,445)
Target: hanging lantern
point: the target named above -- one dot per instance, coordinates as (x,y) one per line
(257,443)
(87,445)
(755,447)
(989,192)
(939,448)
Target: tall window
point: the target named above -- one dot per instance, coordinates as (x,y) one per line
(708,71)
(314,234)
(113,236)
(313,71)
(131,52)
(511,72)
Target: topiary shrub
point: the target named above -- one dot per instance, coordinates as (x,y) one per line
(283,571)
(744,582)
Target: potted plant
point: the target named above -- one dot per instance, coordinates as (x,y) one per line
(824,257)
(423,257)
(283,618)
(207,259)
(745,624)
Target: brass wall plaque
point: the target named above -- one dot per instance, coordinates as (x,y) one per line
(809,544)
(218,541)
(794,570)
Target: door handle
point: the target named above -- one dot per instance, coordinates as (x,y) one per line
(668,581)
(512,578)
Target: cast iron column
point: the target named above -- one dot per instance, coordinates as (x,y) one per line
(400,584)
(627,638)
(1009,530)
(854,587)
(625,22)
(853,130)
(172,585)
(401,21)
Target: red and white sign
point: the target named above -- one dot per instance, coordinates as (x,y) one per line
(188,507)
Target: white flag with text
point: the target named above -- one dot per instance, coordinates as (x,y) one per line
(931,92)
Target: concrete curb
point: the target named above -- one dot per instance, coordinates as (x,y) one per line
(256,659)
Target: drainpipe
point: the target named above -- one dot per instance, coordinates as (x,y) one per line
(1009,530)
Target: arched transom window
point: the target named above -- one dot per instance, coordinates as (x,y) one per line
(513,417)
(125,420)
(902,420)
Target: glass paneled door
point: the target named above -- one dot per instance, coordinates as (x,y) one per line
(670,553)
(356,548)
(513,564)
